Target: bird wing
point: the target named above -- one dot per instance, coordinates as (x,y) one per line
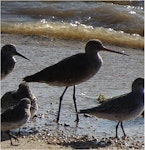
(121,104)
(13,114)
(8,100)
(67,67)
(68,70)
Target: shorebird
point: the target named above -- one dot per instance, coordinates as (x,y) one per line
(7,59)
(15,117)
(11,98)
(73,70)
(121,108)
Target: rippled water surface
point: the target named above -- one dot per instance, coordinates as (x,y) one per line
(119,23)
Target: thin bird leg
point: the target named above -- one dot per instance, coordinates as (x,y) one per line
(60,103)
(117,129)
(123,129)
(19,133)
(12,136)
(74,99)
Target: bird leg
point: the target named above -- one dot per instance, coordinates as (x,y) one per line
(12,136)
(117,129)
(19,132)
(123,129)
(60,103)
(74,99)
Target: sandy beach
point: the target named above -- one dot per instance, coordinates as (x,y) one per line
(43,132)
(52,142)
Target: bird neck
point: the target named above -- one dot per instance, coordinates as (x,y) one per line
(95,61)
(138,91)
(14,58)
(98,59)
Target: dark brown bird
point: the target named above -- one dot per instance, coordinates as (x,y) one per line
(11,98)
(73,70)
(15,117)
(7,59)
(123,107)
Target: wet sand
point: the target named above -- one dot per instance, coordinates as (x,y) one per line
(114,78)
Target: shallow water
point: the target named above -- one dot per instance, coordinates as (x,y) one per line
(114,78)
(110,22)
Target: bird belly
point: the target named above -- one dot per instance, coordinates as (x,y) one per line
(69,82)
(120,116)
(5,126)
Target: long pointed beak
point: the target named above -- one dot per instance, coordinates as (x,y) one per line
(22,56)
(109,50)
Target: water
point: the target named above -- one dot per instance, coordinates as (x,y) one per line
(114,78)
(117,23)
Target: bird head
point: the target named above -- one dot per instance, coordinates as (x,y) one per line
(94,46)
(10,49)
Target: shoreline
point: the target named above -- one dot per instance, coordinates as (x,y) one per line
(21,38)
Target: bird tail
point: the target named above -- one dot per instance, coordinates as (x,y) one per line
(88,111)
(32,78)
(84,111)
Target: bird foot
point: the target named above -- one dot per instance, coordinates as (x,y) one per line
(117,138)
(77,120)
(124,137)
(16,139)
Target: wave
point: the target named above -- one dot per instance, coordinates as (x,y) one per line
(74,31)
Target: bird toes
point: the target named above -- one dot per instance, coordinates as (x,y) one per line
(15,138)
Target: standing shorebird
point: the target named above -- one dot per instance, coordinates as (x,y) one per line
(7,59)
(15,117)
(124,107)
(11,98)
(72,70)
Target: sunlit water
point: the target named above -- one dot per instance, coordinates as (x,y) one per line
(118,23)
